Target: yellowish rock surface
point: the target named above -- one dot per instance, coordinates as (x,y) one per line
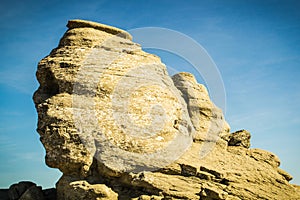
(118,127)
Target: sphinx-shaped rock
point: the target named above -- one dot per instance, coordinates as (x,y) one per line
(118,127)
(101,96)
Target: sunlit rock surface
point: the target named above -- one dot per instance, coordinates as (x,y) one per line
(119,127)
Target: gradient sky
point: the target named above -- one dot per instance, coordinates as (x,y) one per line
(255,44)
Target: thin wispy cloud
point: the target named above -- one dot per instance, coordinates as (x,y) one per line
(6,144)
(22,81)
(29,156)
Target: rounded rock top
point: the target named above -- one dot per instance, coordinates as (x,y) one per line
(78,23)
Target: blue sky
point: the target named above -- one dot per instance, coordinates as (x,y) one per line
(255,44)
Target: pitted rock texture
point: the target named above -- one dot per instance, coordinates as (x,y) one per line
(101,96)
(109,114)
(240,138)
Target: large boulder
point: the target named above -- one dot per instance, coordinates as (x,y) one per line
(118,127)
(102,97)
(18,189)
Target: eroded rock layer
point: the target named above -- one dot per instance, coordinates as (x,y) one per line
(118,127)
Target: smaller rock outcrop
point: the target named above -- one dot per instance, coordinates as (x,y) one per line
(240,138)
(26,190)
(17,190)
(70,188)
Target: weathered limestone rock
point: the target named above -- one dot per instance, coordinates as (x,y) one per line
(240,138)
(85,110)
(118,127)
(102,27)
(70,189)
(33,193)
(17,190)
(264,156)
(208,120)
(26,190)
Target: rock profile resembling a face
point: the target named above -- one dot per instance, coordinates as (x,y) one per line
(119,127)
(102,99)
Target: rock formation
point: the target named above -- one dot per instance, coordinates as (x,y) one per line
(118,127)
(26,190)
